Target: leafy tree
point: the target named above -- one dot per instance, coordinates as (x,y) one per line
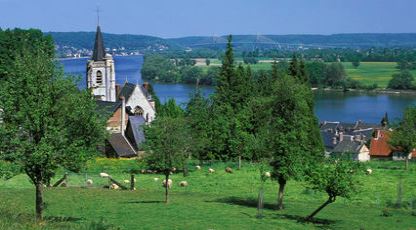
(167,146)
(402,80)
(335,74)
(404,136)
(294,138)
(207,61)
(316,72)
(356,63)
(336,178)
(47,121)
(294,66)
(159,68)
(170,109)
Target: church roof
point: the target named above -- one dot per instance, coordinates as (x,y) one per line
(121,145)
(99,51)
(107,108)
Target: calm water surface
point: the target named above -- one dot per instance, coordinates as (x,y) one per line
(332,106)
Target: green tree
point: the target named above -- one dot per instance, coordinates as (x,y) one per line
(337,178)
(294,138)
(335,74)
(404,136)
(402,80)
(294,66)
(207,61)
(167,146)
(47,121)
(356,63)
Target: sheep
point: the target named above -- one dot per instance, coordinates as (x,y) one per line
(369,171)
(169,183)
(104,175)
(267,174)
(228,170)
(114,187)
(155,179)
(149,171)
(210,170)
(89,182)
(142,171)
(173,169)
(126,181)
(183,183)
(198,167)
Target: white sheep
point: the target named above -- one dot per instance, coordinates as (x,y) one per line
(155,179)
(369,171)
(104,175)
(114,187)
(267,174)
(183,183)
(210,170)
(198,167)
(126,181)
(89,182)
(173,169)
(169,183)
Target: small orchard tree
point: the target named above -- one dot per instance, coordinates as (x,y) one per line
(404,136)
(337,178)
(48,122)
(166,146)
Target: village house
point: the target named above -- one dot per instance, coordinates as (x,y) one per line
(127,108)
(381,149)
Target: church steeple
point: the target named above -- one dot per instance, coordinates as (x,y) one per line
(99,51)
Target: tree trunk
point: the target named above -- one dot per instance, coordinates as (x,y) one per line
(185,171)
(282,184)
(39,201)
(132,182)
(330,200)
(239,162)
(166,188)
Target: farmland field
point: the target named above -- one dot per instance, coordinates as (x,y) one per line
(211,201)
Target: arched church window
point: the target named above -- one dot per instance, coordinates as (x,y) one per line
(99,78)
(138,111)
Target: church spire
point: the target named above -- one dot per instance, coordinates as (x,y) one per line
(99,51)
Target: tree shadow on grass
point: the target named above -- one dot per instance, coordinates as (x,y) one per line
(62,219)
(250,202)
(144,202)
(302,219)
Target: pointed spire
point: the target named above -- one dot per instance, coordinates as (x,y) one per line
(99,51)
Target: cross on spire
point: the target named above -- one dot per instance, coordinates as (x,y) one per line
(98,15)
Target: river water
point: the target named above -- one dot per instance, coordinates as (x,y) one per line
(329,106)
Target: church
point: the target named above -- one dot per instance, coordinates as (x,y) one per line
(128,107)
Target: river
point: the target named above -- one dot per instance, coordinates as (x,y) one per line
(329,106)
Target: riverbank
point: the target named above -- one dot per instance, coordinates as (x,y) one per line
(366,91)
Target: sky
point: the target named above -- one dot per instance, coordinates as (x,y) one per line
(177,18)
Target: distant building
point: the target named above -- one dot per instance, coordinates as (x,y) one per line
(381,149)
(127,108)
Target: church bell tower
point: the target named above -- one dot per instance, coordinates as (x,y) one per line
(101,77)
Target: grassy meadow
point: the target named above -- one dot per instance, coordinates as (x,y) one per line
(211,201)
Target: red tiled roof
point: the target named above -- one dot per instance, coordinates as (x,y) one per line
(380,146)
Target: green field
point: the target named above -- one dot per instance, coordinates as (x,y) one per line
(211,201)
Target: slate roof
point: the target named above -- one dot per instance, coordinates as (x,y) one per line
(126,91)
(348,146)
(135,132)
(121,145)
(107,108)
(327,138)
(98,53)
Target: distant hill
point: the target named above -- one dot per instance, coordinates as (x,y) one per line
(71,43)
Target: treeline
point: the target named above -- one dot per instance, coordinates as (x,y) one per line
(268,120)
(160,68)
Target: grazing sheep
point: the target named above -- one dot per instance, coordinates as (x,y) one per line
(267,174)
(142,171)
(169,183)
(228,170)
(210,170)
(198,167)
(126,181)
(114,187)
(89,182)
(369,171)
(149,171)
(173,169)
(155,179)
(183,183)
(104,175)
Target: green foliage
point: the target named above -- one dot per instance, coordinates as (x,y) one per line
(334,75)
(404,136)
(170,109)
(159,68)
(356,63)
(402,80)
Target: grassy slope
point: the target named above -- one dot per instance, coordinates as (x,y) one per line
(218,201)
